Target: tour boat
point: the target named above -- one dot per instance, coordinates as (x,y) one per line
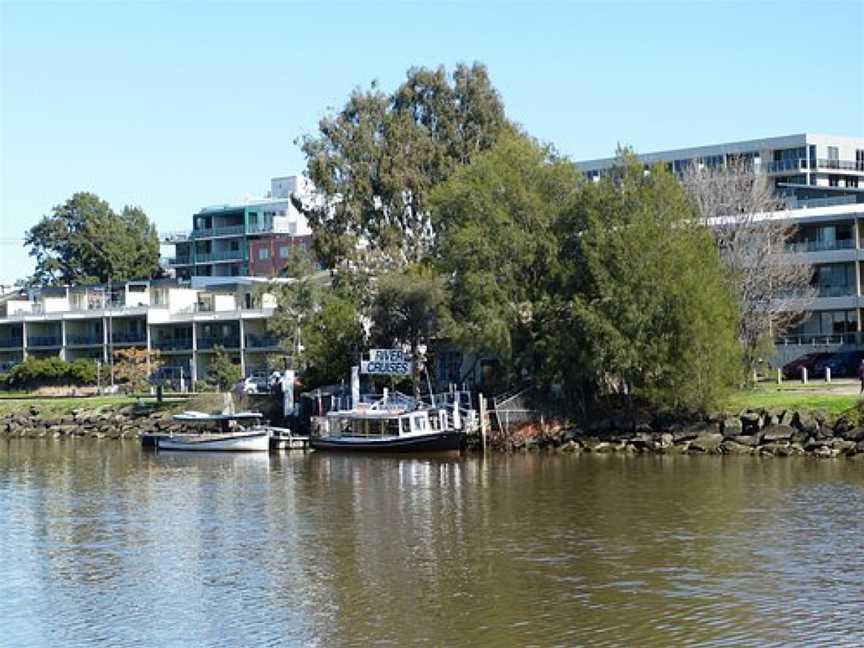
(391,425)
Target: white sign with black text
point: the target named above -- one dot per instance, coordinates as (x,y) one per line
(386,362)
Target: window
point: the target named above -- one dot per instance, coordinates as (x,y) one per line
(859,160)
(833,181)
(284,251)
(833,153)
(263,254)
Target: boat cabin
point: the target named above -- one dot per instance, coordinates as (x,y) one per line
(371,423)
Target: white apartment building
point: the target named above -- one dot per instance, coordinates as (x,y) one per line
(182,322)
(821,178)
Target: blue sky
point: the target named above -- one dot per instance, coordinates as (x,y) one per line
(175,106)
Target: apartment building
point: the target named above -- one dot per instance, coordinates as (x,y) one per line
(821,179)
(227,240)
(183,322)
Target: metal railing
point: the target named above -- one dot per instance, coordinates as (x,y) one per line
(82,340)
(11,343)
(230,342)
(820,246)
(818,340)
(229,255)
(254,341)
(843,165)
(776,166)
(173,344)
(805,203)
(43,341)
(128,338)
(211,232)
(836,291)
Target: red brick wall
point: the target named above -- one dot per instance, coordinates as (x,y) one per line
(273,264)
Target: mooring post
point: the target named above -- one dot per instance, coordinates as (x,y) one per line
(804,375)
(483,421)
(827,374)
(779,376)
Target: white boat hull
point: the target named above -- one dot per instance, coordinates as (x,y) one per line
(258,441)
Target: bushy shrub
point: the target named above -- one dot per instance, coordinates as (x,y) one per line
(39,372)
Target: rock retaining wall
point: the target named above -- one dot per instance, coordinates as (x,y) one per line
(775,433)
(111,423)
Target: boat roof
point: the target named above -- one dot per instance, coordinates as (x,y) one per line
(204,417)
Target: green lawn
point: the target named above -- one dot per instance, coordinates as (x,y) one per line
(62,406)
(799,398)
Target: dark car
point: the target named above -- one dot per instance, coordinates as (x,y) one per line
(843,364)
(793,369)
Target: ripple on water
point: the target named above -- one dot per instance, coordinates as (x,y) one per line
(106,544)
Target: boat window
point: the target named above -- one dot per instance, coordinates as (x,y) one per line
(405,425)
(419,423)
(391,427)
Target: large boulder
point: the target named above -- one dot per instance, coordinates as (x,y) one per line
(707,442)
(777,432)
(805,422)
(732,427)
(852,434)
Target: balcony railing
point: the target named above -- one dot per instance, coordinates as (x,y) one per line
(835,291)
(779,166)
(128,338)
(212,232)
(254,341)
(43,341)
(232,342)
(820,246)
(11,343)
(230,255)
(810,203)
(82,340)
(818,340)
(172,344)
(842,165)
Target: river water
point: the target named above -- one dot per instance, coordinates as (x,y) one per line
(105,544)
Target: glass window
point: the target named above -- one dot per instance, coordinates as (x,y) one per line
(263,254)
(284,251)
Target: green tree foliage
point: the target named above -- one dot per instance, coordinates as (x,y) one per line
(647,308)
(377,158)
(333,338)
(85,241)
(497,243)
(409,309)
(222,374)
(40,372)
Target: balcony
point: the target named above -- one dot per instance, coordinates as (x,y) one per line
(43,341)
(842,165)
(820,246)
(128,338)
(254,341)
(232,342)
(83,340)
(215,257)
(173,344)
(11,343)
(784,166)
(216,232)
(180,260)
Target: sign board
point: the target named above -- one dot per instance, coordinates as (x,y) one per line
(386,362)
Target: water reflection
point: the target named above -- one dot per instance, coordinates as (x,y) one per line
(104,542)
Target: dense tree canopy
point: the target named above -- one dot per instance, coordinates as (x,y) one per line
(376,160)
(85,241)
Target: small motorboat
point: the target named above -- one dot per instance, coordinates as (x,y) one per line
(285,439)
(239,432)
(249,441)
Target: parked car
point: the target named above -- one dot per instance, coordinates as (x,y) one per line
(793,369)
(843,364)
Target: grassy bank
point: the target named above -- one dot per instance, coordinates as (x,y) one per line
(832,399)
(64,406)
